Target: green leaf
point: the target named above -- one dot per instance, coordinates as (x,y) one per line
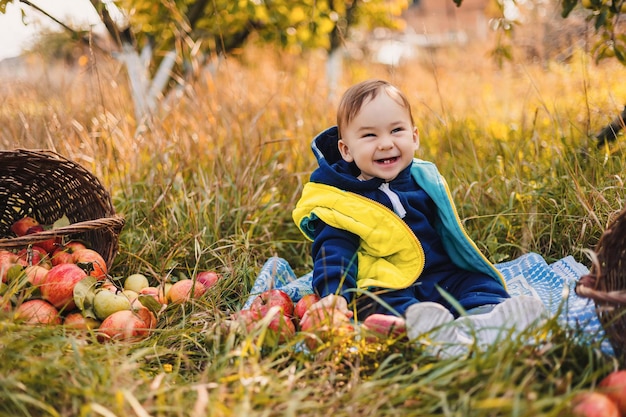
(61,222)
(568,6)
(150,303)
(84,291)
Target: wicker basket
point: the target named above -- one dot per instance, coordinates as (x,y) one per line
(606,284)
(46,186)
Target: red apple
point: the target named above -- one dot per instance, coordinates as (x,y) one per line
(246,318)
(64,253)
(281,327)
(36,275)
(270,298)
(185,290)
(379,326)
(76,320)
(58,287)
(208,278)
(594,404)
(21,226)
(90,256)
(35,255)
(614,386)
(127,325)
(7,260)
(304,303)
(37,312)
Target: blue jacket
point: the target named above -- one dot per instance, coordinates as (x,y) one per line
(388,239)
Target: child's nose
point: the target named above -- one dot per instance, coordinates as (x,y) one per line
(385,142)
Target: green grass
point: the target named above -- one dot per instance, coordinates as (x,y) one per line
(210,184)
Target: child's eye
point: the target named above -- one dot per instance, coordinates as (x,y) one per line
(397,129)
(368,135)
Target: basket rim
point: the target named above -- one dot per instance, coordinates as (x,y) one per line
(116,222)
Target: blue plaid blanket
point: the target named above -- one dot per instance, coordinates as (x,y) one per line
(529,274)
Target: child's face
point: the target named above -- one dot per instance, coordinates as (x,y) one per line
(380,139)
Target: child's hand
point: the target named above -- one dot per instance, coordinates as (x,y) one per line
(332,302)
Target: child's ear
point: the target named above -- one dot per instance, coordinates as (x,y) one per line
(416,138)
(344,151)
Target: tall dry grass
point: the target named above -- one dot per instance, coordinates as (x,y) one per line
(211,180)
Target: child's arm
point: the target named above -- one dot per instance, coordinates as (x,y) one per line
(334,261)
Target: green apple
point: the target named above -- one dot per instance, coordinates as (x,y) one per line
(136,282)
(107,302)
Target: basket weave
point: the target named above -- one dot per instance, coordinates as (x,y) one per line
(606,284)
(44,185)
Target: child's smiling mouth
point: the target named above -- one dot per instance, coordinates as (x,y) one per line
(387,161)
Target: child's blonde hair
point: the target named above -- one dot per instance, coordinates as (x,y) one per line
(355,96)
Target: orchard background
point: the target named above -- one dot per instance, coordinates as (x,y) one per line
(209,182)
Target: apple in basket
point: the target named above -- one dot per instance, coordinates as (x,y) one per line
(272,298)
(20,227)
(58,285)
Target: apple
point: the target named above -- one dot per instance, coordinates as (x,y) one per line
(97,268)
(37,311)
(7,260)
(64,253)
(281,326)
(76,320)
(36,275)
(614,386)
(21,226)
(184,290)
(208,278)
(246,318)
(270,298)
(304,303)
(136,282)
(594,404)
(158,293)
(127,325)
(379,326)
(35,255)
(106,302)
(58,287)
(49,245)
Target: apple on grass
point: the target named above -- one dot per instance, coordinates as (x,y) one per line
(270,298)
(59,283)
(136,282)
(106,302)
(594,404)
(76,320)
(185,290)
(127,325)
(92,261)
(614,386)
(35,255)
(7,260)
(382,326)
(37,311)
(208,278)
(64,253)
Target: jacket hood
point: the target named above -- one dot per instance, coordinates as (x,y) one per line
(325,146)
(333,170)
